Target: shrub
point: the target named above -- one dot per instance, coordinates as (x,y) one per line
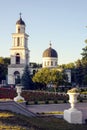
(46,102)
(86,121)
(35,102)
(80,100)
(64,101)
(55,101)
(27,103)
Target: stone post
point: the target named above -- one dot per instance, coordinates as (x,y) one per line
(72,115)
(19,98)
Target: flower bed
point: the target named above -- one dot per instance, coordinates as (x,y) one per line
(9,93)
(43,96)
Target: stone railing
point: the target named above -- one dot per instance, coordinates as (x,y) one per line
(15,107)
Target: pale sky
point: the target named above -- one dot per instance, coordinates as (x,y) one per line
(63,22)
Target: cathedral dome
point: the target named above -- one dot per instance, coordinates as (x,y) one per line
(50,52)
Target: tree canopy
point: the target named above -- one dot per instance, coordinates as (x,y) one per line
(47,76)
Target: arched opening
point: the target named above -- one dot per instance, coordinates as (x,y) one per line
(17,77)
(17,58)
(18,30)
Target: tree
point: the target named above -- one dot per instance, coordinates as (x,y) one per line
(42,76)
(6,60)
(84,64)
(3,68)
(49,76)
(26,80)
(3,72)
(84,53)
(1,60)
(79,72)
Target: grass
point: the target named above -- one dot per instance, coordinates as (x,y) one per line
(51,113)
(46,102)
(12,121)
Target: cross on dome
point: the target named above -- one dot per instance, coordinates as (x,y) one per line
(50,44)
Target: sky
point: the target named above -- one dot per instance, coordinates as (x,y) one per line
(63,22)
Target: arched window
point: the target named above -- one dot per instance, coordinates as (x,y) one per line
(18,30)
(17,77)
(17,58)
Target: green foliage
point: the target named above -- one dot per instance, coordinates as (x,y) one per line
(84,53)
(26,80)
(43,96)
(67,66)
(46,102)
(3,67)
(35,65)
(55,101)
(3,72)
(49,76)
(5,60)
(1,60)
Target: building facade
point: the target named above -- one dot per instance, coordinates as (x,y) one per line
(19,52)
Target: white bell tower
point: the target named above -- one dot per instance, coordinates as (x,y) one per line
(19,53)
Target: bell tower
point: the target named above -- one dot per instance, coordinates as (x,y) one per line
(19,53)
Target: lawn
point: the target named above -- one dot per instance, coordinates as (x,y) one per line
(13,121)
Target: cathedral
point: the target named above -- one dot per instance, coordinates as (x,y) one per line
(19,54)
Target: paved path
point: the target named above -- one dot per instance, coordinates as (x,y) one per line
(58,107)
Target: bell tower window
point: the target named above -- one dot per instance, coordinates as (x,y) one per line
(18,30)
(18,41)
(17,58)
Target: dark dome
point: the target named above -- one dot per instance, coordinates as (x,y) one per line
(20,21)
(50,53)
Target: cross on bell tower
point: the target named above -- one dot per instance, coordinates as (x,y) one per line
(20,14)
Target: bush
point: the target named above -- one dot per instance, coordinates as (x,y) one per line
(55,101)
(46,102)
(64,101)
(35,102)
(86,121)
(27,103)
(80,100)
(43,96)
